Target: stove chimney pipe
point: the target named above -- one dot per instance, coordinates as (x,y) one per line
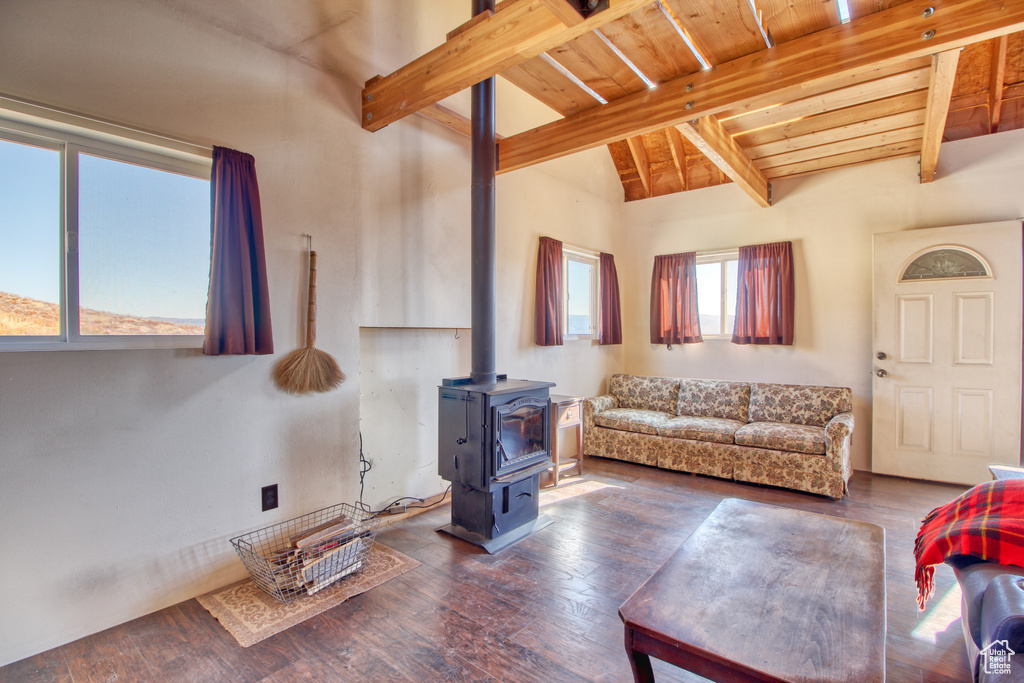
(482,236)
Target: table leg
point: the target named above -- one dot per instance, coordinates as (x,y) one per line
(639,662)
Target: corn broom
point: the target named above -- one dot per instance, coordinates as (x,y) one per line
(309,369)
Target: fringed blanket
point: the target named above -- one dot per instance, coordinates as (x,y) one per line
(987,522)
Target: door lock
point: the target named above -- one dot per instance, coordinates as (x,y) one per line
(881,355)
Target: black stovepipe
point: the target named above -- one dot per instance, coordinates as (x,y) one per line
(483,293)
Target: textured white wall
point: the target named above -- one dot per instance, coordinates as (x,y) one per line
(124,474)
(830,219)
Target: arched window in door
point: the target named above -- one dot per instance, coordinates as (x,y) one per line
(945,262)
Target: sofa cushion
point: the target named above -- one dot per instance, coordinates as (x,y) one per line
(782,437)
(798,404)
(645,393)
(714,398)
(632,420)
(700,428)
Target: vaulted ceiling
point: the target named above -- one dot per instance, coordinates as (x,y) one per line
(687,94)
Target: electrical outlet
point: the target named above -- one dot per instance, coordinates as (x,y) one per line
(269,497)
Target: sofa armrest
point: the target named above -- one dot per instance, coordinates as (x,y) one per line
(838,434)
(1002,626)
(591,407)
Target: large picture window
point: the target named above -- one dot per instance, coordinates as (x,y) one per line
(103,243)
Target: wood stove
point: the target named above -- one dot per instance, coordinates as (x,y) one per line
(493,443)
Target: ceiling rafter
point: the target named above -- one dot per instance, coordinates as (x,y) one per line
(517,31)
(638,151)
(769,76)
(940,90)
(708,135)
(997,82)
(678,149)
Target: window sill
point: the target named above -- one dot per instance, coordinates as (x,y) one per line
(190,341)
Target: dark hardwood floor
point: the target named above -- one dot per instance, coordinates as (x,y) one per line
(543,610)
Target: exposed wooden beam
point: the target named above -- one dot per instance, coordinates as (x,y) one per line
(771,76)
(708,135)
(569,15)
(451,119)
(996,84)
(483,16)
(675,141)
(940,90)
(638,151)
(517,31)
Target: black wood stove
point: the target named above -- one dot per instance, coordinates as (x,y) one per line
(493,432)
(493,443)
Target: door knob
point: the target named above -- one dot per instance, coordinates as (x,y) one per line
(881,373)
(881,355)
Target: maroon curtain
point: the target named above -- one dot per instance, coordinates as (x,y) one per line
(610,330)
(674,318)
(765,295)
(238,307)
(548,312)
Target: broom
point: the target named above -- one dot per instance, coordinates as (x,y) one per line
(308,369)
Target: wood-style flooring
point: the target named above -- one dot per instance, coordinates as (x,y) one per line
(543,610)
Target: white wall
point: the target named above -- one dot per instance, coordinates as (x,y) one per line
(830,219)
(124,474)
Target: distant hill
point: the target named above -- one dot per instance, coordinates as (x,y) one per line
(29,317)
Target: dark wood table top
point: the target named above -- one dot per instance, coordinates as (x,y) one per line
(772,593)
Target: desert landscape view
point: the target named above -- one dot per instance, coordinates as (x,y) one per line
(28,317)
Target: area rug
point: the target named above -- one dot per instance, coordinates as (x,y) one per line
(251,615)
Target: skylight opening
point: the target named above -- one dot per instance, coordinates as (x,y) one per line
(677,25)
(844,11)
(611,46)
(759,18)
(572,77)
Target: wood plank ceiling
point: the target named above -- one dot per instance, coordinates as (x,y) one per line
(780,88)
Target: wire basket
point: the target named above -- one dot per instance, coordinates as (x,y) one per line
(305,555)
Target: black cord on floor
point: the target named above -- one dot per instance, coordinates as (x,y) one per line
(364,467)
(395,502)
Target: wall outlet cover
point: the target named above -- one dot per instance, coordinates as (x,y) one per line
(269,497)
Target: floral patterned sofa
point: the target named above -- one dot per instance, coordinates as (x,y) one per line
(795,436)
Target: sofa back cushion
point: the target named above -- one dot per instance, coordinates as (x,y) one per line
(645,393)
(798,404)
(714,398)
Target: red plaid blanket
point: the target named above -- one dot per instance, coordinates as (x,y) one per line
(987,522)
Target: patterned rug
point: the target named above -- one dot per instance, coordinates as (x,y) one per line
(250,615)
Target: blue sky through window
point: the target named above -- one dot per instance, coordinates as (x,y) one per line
(30,221)
(144,240)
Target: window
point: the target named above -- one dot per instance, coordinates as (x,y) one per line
(716,292)
(104,240)
(580,271)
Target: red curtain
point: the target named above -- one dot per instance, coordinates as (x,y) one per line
(765,295)
(238,307)
(674,318)
(610,330)
(548,311)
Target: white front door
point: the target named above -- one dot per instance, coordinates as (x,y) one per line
(946,396)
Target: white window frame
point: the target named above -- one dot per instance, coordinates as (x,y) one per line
(723,257)
(592,259)
(71,134)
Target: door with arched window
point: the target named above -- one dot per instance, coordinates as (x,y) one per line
(946,395)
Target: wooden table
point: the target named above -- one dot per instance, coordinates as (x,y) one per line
(766,593)
(566,411)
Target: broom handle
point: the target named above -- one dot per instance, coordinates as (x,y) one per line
(311,316)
